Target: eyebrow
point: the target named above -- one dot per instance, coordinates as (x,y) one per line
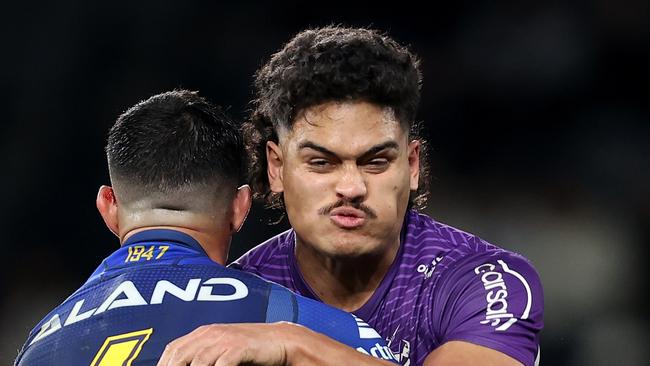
(391,144)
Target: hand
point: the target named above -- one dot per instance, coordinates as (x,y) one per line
(230,345)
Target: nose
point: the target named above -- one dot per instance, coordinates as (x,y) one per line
(351,184)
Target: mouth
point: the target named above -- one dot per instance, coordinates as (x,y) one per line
(347,217)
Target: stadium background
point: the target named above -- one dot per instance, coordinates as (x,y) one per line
(536,118)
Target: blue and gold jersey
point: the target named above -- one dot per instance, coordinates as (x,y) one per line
(161,285)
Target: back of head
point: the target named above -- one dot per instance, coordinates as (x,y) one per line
(175,151)
(331,64)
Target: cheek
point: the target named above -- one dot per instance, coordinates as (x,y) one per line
(392,185)
(303,190)
(391,194)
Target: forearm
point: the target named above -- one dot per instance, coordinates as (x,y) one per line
(459,353)
(306,347)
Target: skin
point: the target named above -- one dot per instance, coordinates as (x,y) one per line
(261,344)
(212,224)
(353,154)
(212,229)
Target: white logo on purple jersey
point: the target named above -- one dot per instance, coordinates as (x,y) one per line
(428,271)
(402,351)
(497,314)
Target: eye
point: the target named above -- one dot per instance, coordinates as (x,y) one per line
(320,164)
(377,165)
(378,162)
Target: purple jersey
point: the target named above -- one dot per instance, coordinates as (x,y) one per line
(444,285)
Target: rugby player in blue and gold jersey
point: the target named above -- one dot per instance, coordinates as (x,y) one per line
(176,163)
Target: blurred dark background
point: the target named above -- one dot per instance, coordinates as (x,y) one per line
(537,120)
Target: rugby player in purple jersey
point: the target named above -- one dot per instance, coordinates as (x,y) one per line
(333,141)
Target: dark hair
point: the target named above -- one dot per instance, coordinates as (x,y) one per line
(331,64)
(173,140)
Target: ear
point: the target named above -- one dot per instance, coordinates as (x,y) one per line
(274,166)
(107,207)
(414,164)
(241,205)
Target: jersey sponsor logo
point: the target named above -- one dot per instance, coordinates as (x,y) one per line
(126,294)
(496,314)
(427,270)
(121,349)
(378,351)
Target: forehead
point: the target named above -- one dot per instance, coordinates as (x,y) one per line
(345,127)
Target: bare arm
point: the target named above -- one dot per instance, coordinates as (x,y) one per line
(264,344)
(458,353)
(290,344)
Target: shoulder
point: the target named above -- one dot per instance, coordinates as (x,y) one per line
(452,249)
(476,291)
(423,231)
(494,279)
(463,260)
(342,327)
(430,247)
(486,295)
(273,252)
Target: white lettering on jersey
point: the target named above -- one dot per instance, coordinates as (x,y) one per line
(48,328)
(126,294)
(205,293)
(133,298)
(378,351)
(497,314)
(163,287)
(74,314)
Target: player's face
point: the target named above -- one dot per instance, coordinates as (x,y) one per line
(346,171)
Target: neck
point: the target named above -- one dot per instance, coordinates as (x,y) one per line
(343,282)
(215,247)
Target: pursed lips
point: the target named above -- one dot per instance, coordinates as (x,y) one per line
(347,217)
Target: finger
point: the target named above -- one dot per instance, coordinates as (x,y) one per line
(181,351)
(207,356)
(168,355)
(232,357)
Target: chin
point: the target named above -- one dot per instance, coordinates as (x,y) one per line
(350,245)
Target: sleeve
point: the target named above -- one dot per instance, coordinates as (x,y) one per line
(334,323)
(493,299)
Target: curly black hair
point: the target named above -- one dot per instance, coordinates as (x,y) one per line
(331,64)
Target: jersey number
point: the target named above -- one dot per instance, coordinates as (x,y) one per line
(138,252)
(121,349)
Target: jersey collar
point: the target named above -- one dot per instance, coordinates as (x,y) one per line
(164,235)
(375,299)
